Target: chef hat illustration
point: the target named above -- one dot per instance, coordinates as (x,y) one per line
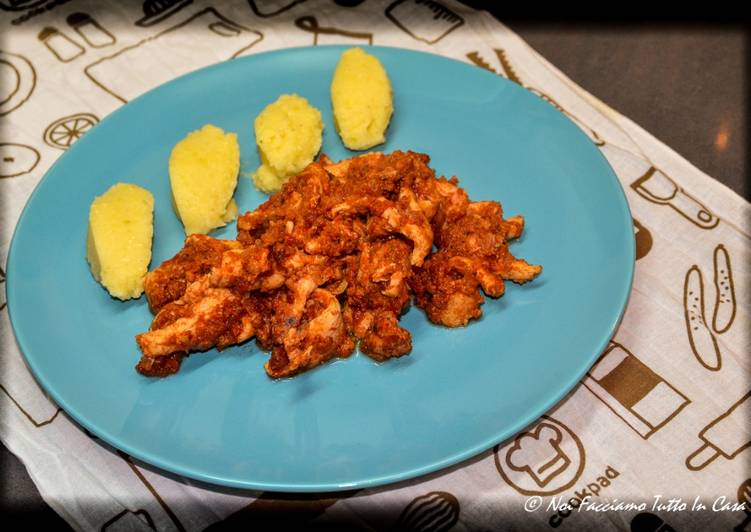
(538,453)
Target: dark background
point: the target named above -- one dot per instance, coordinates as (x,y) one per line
(684,82)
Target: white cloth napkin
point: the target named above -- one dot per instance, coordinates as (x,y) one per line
(663,415)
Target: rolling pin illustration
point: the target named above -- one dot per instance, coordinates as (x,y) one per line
(658,188)
(436,511)
(724,310)
(726,436)
(700,336)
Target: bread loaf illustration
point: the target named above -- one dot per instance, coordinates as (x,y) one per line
(702,340)
(724,309)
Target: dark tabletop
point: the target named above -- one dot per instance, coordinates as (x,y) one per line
(686,85)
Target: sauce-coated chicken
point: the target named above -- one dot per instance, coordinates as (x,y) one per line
(330,261)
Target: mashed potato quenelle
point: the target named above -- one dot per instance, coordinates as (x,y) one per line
(289,134)
(203,169)
(362,100)
(121,227)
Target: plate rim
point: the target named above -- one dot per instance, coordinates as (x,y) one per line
(165,465)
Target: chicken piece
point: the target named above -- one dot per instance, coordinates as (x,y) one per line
(403,217)
(473,253)
(199,255)
(287,215)
(241,269)
(377,293)
(160,366)
(204,317)
(336,237)
(447,290)
(318,337)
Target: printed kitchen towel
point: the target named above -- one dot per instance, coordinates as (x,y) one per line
(657,428)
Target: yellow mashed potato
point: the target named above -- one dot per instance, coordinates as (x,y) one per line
(288,134)
(203,169)
(362,100)
(118,249)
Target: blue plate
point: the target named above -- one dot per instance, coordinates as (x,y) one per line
(351,423)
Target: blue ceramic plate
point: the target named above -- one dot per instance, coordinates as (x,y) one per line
(350,423)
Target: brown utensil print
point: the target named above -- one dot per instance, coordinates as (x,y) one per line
(724,309)
(725,436)
(702,340)
(90,30)
(322,35)
(436,511)
(425,20)
(658,188)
